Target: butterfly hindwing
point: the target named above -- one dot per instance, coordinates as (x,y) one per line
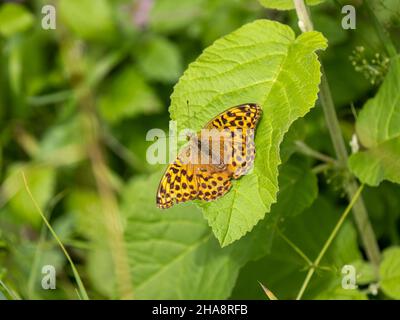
(211,186)
(178,184)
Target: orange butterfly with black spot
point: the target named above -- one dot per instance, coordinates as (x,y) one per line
(204,168)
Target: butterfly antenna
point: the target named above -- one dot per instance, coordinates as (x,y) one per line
(189,118)
(188,112)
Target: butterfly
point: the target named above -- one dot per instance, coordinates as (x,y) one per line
(224,149)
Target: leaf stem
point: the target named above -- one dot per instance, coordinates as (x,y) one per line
(329,242)
(294,247)
(9,291)
(308,151)
(359,210)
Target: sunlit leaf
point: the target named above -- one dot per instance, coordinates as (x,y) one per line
(390,272)
(379,131)
(262,62)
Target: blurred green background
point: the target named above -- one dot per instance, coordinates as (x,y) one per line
(76,104)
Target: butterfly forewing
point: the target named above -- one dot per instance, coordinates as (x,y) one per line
(241,121)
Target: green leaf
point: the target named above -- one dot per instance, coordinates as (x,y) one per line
(100,268)
(383,203)
(296,132)
(378,130)
(387,11)
(41,181)
(168,16)
(159,59)
(90,20)
(285,4)
(365,272)
(378,164)
(283,270)
(62,144)
(14,18)
(298,188)
(390,272)
(128,95)
(262,62)
(180,243)
(238,213)
(84,205)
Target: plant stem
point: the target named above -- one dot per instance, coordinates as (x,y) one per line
(294,247)
(81,287)
(84,86)
(329,242)
(308,151)
(360,213)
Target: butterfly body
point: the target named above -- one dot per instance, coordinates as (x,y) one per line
(224,149)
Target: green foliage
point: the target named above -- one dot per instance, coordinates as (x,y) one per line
(42,181)
(14,18)
(379,131)
(390,272)
(89,20)
(126,96)
(181,243)
(298,188)
(283,270)
(273,68)
(159,59)
(77,102)
(285,4)
(183,13)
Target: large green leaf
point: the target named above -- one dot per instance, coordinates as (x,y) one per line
(378,128)
(262,62)
(285,4)
(174,255)
(390,272)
